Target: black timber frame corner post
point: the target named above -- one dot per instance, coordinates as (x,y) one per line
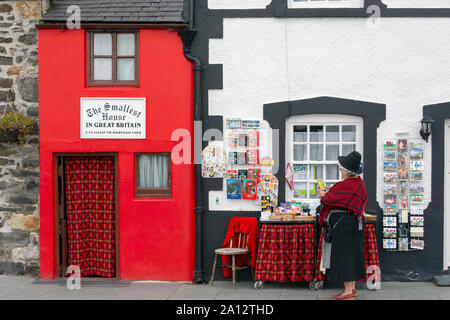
(187,36)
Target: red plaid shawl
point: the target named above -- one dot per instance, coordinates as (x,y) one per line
(348,194)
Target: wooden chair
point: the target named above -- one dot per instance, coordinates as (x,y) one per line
(241,248)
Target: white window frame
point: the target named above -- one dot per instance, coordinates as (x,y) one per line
(319,120)
(439,4)
(326,4)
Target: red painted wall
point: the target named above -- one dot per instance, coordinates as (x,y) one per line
(156,236)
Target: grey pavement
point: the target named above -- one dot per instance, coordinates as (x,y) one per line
(25,288)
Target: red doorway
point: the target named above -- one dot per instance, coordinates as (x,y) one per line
(87,214)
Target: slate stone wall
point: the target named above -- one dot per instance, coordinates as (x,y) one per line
(19,164)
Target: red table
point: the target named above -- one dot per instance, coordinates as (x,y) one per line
(370,251)
(286,252)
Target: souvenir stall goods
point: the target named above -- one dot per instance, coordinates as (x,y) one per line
(403,219)
(213,162)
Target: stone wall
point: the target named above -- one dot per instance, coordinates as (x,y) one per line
(19,164)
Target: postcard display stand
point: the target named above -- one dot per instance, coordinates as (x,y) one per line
(403,218)
(247,177)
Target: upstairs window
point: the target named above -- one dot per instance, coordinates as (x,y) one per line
(113,58)
(325,4)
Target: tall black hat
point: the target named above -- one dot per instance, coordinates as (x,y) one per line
(351,162)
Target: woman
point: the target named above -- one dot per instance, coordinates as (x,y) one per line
(343,206)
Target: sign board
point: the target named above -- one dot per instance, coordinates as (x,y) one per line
(113,118)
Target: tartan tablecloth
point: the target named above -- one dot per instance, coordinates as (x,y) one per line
(370,252)
(285,253)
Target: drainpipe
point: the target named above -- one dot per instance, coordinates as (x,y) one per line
(187,36)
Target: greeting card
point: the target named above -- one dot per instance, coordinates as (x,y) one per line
(416,165)
(253,138)
(252,157)
(250,189)
(234,189)
(390,232)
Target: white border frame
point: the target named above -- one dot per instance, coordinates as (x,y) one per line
(326,4)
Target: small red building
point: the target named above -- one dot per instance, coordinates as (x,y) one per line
(111,94)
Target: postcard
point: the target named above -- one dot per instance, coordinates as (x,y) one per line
(417,211)
(250,124)
(416,154)
(253,138)
(250,189)
(417,188)
(416,198)
(389,232)
(243,140)
(417,221)
(390,210)
(403,229)
(402,145)
(403,202)
(402,159)
(403,244)
(403,217)
(390,166)
(390,189)
(233,123)
(390,199)
(390,155)
(232,157)
(234,189)
(232,174)
(390,177)
(389,144)
(416,145)
(417,244)
(253,173)
(389,244)
(416,165)
(241,158)
(252,157)
(416,232)
(403,187)
(403,173)
(416,176)
(242,174)
(389,221)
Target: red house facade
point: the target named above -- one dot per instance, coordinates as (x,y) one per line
(114,201)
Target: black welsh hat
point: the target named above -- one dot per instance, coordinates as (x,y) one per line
(351,162)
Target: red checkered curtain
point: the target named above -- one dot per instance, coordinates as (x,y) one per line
(286,253)
(90,206)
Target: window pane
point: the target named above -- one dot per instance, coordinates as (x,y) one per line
(102,44)
(125,69)
(102,69)
(332,172)
(299,152)
(349,133)
(313,190)
(332,134)
(153,171)
(300,133)
(332,152)
(316,171)
(125,44)
(347,148)
(316,134)
(300,189)
(300,172)
(316,152)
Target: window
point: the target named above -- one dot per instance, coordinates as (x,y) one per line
(113,58)
(153,175)
(312,147)
(325,3)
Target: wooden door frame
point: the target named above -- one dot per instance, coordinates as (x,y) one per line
(56,208)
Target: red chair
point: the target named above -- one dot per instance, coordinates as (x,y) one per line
(239,248)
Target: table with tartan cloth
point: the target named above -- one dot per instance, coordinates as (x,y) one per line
(285,253)
(370,251)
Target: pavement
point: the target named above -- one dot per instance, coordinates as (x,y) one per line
(27,288)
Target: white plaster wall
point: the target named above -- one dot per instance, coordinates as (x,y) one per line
(404,64)
(417,3)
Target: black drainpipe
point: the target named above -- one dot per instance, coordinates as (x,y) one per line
(187,36)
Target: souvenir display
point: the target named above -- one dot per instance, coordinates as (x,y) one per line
(403,191)
(253,174)
(232,174)
(243,140)
(289,175)
(241,158)
(213,163)
(390,232)
(268,186)
(232,158)
(250,124)
(249,191)
(234,189)
(233,139)
(265,203)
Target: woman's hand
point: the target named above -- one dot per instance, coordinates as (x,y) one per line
(322,193)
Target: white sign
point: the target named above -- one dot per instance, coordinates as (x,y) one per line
(113,118)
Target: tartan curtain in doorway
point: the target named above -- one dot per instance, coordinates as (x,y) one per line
(90,206)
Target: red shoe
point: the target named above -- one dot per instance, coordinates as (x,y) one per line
(350,296)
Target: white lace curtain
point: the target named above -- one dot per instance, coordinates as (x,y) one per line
(153,171)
